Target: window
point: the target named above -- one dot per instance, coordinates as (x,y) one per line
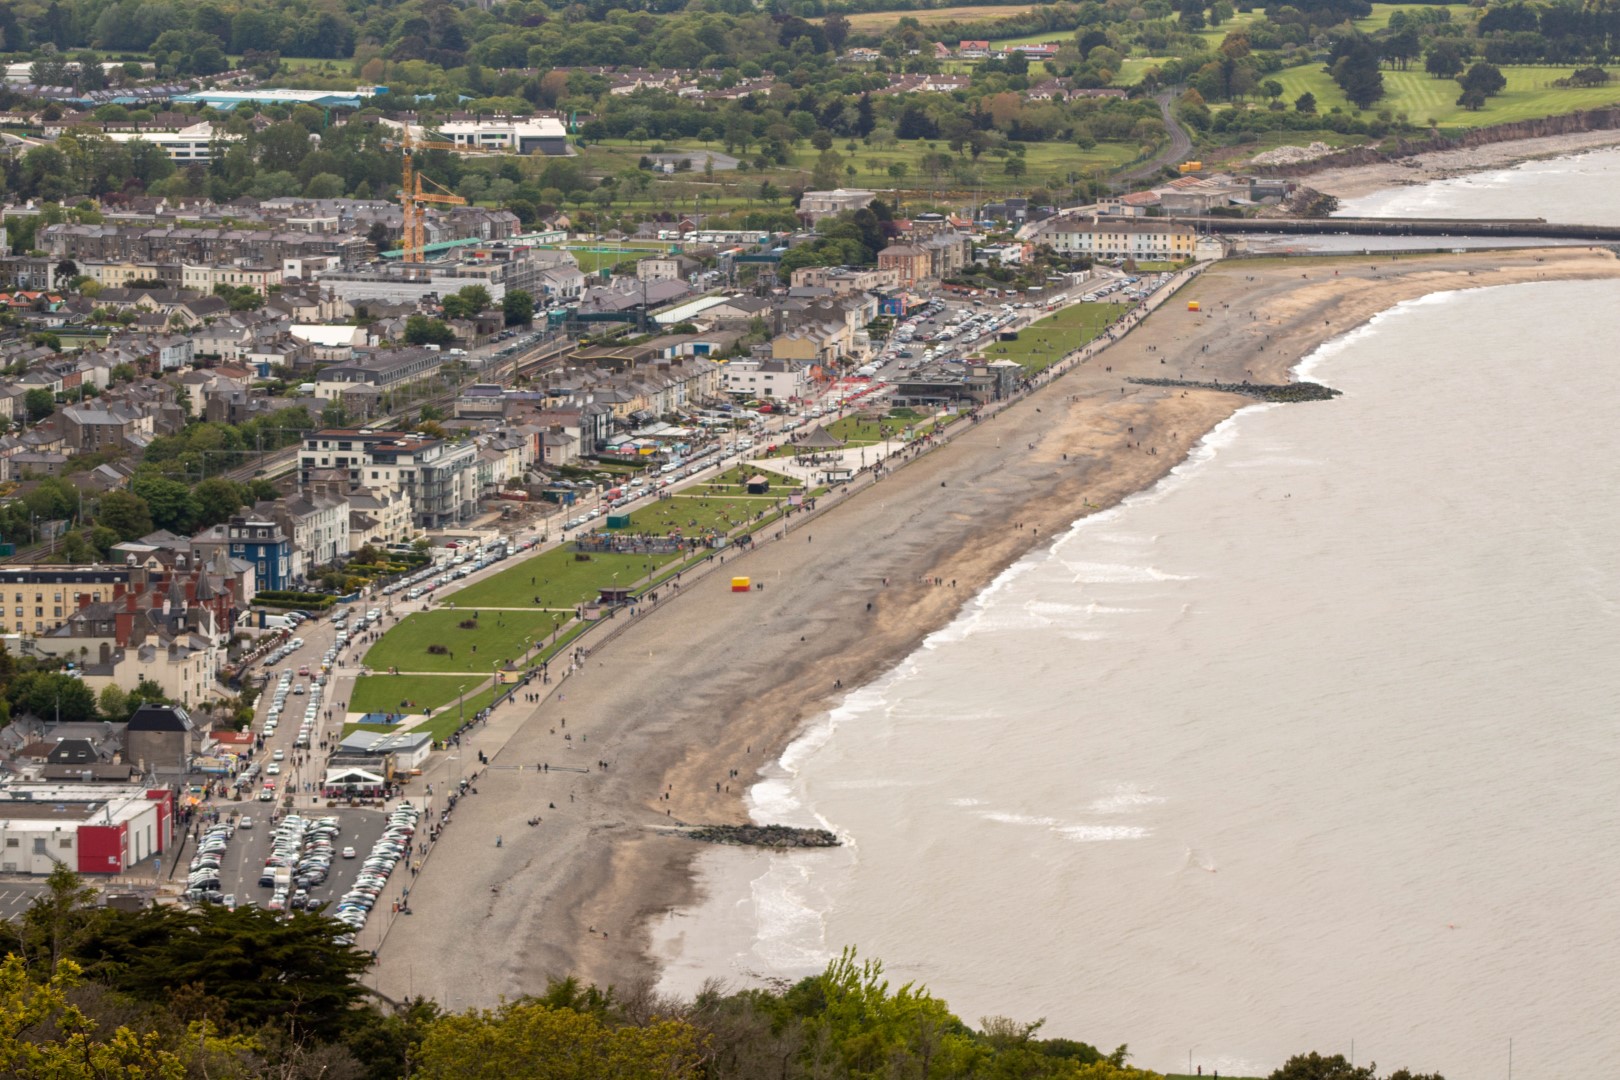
(39,845)
(65,842)
(12,841)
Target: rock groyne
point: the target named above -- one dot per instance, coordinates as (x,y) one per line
(1283,392)
(772,836)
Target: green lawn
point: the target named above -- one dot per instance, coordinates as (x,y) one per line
(500,636)
(1529,94)
(738,474)
(728,191)
(1043,344)
(388,693)
(858,432)
(1379,19)
(698,514)
(555,576)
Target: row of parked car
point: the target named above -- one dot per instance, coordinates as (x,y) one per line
(202,883)
(391,847)
(300,859)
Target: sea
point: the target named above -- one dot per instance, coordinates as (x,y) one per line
(1311,746)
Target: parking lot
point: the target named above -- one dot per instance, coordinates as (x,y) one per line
(17,896)
(249,847)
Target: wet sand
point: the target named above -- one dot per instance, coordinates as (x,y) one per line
(716,681)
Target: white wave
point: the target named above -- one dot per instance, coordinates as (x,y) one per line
(964,802)
(1091,834)
(1093,573)
(788,911)
(1003,818)
(1123,800)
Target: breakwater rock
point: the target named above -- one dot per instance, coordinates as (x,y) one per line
(1300,391)
(773,836)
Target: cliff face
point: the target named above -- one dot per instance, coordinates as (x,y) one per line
(1395,149)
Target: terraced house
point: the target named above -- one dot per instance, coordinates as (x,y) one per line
(1113,238)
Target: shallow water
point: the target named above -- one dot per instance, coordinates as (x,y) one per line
(1313,742)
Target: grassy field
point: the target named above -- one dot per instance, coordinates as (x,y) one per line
(737,475)
(1379,19)
(1043,344)
(559,579)
(882,20)
(1046,163)
(1422,97)
(388,693)
(500,636)
(697,515)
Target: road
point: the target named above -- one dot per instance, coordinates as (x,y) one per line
(1175,151)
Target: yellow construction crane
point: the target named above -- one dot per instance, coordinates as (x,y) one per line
(412,195)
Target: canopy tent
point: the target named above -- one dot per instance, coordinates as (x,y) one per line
(351,776)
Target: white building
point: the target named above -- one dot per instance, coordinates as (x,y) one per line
(90,828)
(526,135)
(1127,238)
(778,380)
(186,669)
(816,205)
(192,145)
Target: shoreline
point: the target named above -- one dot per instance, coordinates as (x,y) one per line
(1356,181)
(729,681)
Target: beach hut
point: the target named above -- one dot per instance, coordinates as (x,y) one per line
(1192,305)
(741,584)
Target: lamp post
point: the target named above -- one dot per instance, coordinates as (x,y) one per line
(461,708)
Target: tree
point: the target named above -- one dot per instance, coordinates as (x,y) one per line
(1444,60)
(29,1008)
(217,499)
(258,968)
(1357,72)
(40,403)
(518,307)
(467,302)
(534,1040)
(1483,79)
(169,501)
(1314,1066)
(125,514)
(51,694)
(1305,103)
(421,330)
(836,29)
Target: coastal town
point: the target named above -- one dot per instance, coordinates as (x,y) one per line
(431,513)
(258,451)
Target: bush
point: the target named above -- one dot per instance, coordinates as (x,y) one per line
(437,650)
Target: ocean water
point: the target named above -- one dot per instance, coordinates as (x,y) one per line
(1578,189)
(1311,746)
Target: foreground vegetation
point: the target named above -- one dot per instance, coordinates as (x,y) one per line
(89,993)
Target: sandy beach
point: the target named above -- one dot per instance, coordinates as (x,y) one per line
(1355,181)
(714,681)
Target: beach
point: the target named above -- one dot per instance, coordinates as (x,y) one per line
(691,699)
(1354,181)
